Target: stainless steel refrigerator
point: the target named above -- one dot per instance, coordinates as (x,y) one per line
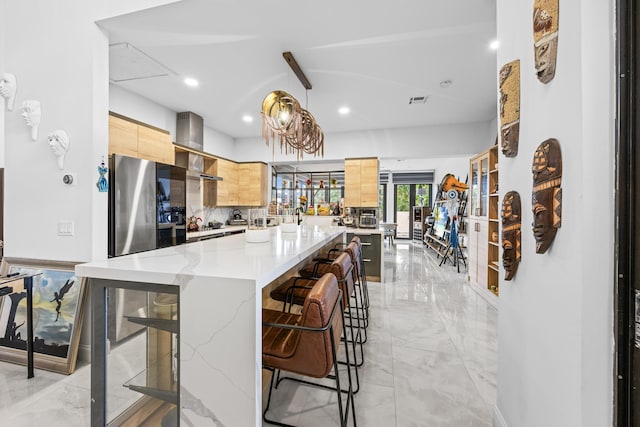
(147,205)
(132,205)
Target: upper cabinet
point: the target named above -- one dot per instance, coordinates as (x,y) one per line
(243,184)
(252,184)
(155,145)
(361,181)
(227,189)
(134,139)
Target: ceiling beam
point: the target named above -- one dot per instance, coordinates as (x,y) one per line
(296,69)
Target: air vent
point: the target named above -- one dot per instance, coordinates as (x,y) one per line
(126,62)
(418,99)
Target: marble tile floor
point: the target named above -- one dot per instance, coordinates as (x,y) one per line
(430,360)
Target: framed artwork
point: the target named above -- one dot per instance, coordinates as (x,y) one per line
(58,310)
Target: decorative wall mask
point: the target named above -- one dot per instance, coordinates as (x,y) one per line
(59,144)
(8,88)
(31,113)
(545,38)
(511,223)
(547,194)
(510,108)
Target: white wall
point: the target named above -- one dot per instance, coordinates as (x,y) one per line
(132,105)
(66,71)
(3,69)
(405,143)
(555,357)
(60,59)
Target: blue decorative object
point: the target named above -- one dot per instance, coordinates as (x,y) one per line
(102,184)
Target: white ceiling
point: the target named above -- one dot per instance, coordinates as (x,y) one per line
(369,55)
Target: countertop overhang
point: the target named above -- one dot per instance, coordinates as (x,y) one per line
(228,258)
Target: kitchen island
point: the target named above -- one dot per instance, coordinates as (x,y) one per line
(215,355)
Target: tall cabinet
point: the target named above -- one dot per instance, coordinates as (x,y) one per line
(483,232)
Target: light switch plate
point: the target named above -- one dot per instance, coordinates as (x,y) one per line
(65,228)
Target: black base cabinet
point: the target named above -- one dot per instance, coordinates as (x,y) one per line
(371,253)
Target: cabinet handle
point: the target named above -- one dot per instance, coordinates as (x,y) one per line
(366,260)
(366,244)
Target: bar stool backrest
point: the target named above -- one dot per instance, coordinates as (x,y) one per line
(313,356)
(342,268)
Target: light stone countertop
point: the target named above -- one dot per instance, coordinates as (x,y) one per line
(221,230)
(231,257)
(364,230)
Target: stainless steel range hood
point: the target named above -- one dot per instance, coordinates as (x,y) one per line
(191,174)
(190,135)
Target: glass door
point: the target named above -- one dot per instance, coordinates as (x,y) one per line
(408,196)
(484,186)
(402,214)
(475,189)
(480,186)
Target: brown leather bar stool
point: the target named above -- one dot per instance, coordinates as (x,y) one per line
(319,267)
(362,275)
(314,269)
(307,344)
(295,289)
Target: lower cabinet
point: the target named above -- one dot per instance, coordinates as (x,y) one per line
(141,373)
(371,253)
(477,254)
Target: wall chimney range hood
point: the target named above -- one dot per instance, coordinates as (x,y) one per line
(190,135)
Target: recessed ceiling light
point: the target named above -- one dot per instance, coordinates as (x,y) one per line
(344,110)
(247,118)
(445,84)
(189,81)
(494,45)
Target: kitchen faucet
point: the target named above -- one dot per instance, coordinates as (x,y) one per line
(298,213)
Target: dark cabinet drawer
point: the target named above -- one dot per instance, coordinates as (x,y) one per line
(371,253)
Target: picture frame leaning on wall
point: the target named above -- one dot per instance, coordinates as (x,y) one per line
(59,300)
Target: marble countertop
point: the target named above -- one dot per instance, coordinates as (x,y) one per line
(221,230)
(231,257)
(364,230)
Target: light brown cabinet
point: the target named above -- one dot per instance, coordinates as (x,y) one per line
(123,137)
(227,189)
(484,242)
(133,139)
(252,184)
(243,184)
(155,145)
(361,181)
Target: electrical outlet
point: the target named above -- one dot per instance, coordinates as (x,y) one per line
(65,228)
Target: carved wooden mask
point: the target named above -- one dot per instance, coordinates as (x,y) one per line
(511,223)
(545,38)
(510,108)
(547,194)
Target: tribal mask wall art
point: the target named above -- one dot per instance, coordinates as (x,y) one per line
(510,108)
(547,194)
(511,223)
(545,38)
